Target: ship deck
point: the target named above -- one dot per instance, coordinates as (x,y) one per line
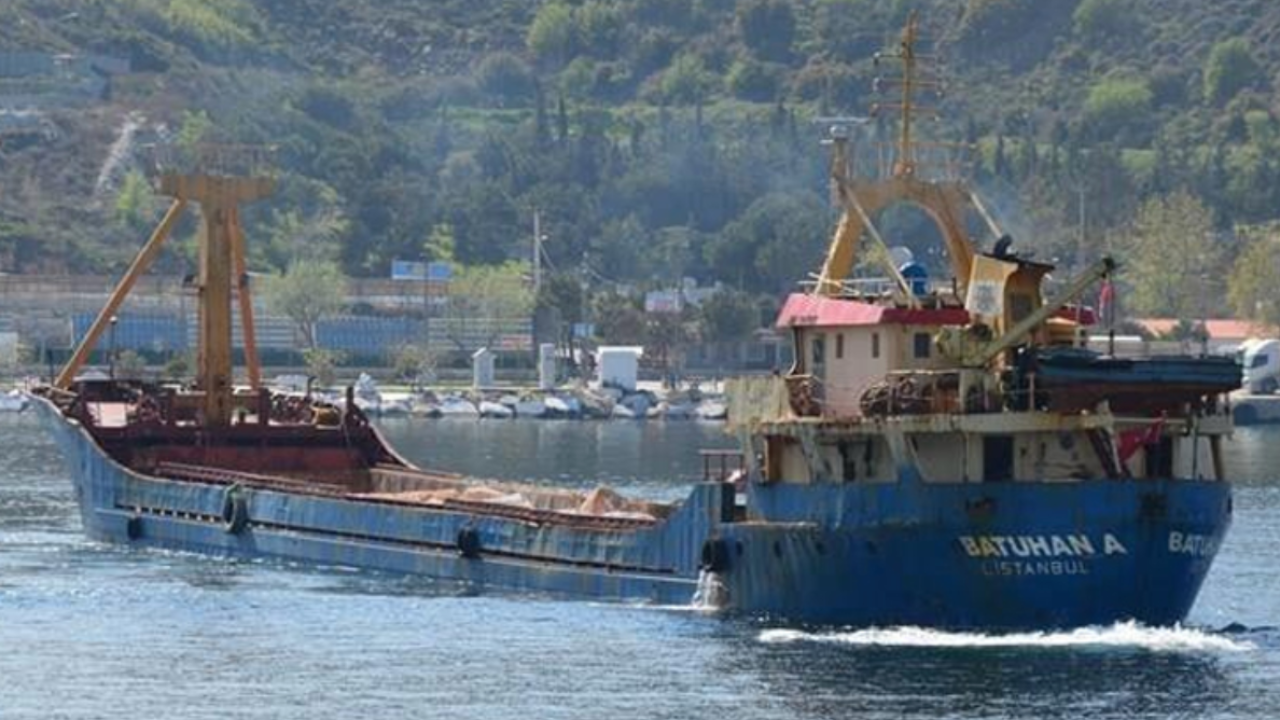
(346,463)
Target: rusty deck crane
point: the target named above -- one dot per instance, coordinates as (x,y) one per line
(218,179)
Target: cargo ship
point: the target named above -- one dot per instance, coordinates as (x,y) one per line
(943,453)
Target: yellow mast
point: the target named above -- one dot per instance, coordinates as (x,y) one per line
(906,164)
(214,184)
(219,197)
(936,190)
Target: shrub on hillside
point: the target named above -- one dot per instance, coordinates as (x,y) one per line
(506,77)
(753,80)
(1230,69)
(768,27)
(1117,109)
(1104,18)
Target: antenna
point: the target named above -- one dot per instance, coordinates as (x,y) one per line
(909,84)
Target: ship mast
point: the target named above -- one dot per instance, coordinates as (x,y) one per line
(219,179)
(906,164)
(906,155)
(928,175)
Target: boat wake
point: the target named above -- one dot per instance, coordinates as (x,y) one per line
(1121,635)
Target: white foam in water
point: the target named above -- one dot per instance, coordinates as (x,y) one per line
(1120,635)
(711,592)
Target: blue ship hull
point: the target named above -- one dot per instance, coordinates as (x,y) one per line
(997,555)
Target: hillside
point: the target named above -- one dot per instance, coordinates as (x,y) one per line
(657,137)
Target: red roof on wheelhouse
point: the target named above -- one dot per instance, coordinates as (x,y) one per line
(802,310)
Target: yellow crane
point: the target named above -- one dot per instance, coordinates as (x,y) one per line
(214,185)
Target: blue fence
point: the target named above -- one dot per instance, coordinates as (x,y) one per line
(356,335)
(158,333)
(368,335)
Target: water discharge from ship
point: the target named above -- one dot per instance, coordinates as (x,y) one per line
(710,593)
(1126,635)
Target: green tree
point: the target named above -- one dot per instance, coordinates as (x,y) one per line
(222,23)
(1253,287)
(135,203)
(414,364)
(1231,68)
(839,27)
(562,294)
(483,302)
(129,364)
(619,319)
(753,80)
(1171,258)
(441,243)
(177,368)
(1117,108)
(1104,18)
(686,81)
(768,27)
(322,364)
(728,316)
(665,336)
(507,77)
(553,35)
(291,236)
(777,240)
(308,292)
(195,129)
(600,28)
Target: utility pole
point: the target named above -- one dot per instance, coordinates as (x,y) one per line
(1080,247)
(537,252)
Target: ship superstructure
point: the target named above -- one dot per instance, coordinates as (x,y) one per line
(983,465)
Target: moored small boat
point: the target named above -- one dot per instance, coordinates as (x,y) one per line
(490,409)
(712,410)
(457,407)
(530,408)
(560,408)
(14,401)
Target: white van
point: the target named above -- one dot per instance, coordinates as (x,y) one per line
(1260,358)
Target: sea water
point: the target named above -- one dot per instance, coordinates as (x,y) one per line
(96,631)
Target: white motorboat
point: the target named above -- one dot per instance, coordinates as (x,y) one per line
(14,401)
(712,410)
(530,408)
(489,409)
(458,407)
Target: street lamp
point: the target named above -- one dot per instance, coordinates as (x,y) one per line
(111,348)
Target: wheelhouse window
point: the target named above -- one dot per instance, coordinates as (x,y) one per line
(875,345)
(818,355)
(922,342)
(839,346)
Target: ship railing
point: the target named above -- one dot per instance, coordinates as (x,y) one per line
(213,159)
(930,161)
(721,465)
(882,288)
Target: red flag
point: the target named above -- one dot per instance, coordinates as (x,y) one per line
(1107,303)
(1131,440)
